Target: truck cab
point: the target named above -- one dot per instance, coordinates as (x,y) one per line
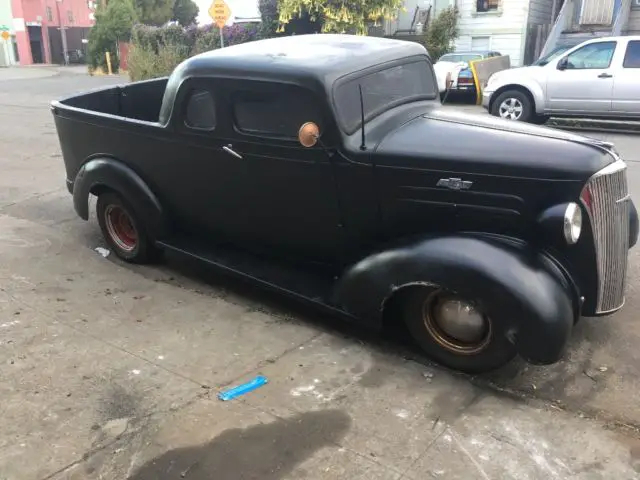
(323,167)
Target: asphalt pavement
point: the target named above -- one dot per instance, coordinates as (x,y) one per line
(110,371)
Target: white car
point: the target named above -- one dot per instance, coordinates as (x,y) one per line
(597,78)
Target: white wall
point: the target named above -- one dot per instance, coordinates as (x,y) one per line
(633,25)
(403,21)
(505,27)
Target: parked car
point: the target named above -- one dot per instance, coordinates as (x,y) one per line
(325,168)
(598,78)
(457,64)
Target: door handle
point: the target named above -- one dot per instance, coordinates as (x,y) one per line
(605,75)
(230,151)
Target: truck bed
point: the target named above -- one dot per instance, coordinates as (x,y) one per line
(138,101)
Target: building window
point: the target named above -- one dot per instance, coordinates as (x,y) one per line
(70,16)
(49,14)
(487,5)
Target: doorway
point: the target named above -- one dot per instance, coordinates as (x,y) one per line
(35,41)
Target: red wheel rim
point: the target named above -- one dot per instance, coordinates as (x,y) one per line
(120,227)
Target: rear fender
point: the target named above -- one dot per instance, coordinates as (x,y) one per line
(114,175)
(523,291)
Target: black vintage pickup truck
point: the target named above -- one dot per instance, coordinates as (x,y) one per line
(324,167)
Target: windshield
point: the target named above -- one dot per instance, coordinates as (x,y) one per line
(460,57)
(382,91)
(552,55)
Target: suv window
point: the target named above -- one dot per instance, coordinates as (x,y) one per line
(200,113)
(277,113)
(592,56)
(632,55)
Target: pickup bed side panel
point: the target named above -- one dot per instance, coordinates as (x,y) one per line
(525,294)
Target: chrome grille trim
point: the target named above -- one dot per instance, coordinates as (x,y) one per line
(609,216)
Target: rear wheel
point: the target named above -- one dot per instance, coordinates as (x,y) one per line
(455,332)
(513,105)
(123,230)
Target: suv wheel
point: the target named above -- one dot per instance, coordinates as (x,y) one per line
(455,332)
(513,105)
(123,230)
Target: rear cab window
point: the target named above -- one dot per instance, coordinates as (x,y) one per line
(632,55)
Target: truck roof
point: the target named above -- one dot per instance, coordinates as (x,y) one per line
(316,55)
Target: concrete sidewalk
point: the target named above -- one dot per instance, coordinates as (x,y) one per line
(110,373)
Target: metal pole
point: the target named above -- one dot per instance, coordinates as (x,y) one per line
(63,34)
(221,39)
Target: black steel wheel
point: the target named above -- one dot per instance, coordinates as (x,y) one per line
(455,332)
(123,231)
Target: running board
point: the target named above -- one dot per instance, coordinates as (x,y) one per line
(294,282)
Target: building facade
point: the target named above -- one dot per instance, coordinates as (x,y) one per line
(517,28)
(42,26)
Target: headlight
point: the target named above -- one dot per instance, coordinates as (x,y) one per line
(572,223)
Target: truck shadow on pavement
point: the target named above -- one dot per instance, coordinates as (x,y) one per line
(265,451)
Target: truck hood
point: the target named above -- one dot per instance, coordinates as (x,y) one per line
(446,140)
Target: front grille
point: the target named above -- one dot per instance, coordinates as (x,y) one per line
(608,208)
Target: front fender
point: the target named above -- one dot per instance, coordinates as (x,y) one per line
(531,86)
(115,175)
(522,290)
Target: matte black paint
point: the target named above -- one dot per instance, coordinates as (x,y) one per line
(336,225)
(114,175)
(531,300)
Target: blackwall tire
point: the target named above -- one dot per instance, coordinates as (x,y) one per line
(513,105)
(489,351)
(123,230)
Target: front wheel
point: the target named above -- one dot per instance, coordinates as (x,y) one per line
(513,105)
(455,332)
(123,230)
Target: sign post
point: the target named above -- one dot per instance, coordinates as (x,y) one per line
(220,12)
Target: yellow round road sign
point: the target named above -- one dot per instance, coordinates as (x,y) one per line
(219,12)
(5,35)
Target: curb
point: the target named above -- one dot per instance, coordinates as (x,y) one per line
(588,125)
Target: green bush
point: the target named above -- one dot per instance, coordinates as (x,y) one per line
(113,24)
(156,51)
(441,33)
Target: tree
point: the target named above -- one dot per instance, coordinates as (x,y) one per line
(341,16)
(269,16)
(114,22)
(154,12)
(185,12)
(298,24)
(441,33)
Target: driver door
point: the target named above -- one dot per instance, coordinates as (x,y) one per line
(582,81)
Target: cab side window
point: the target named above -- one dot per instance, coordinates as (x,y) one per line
(274,112)
(200,111)
(632,55)
(592,56)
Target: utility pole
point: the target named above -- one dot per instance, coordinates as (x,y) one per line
(63,34)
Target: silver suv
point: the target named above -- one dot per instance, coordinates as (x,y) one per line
(597,78)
